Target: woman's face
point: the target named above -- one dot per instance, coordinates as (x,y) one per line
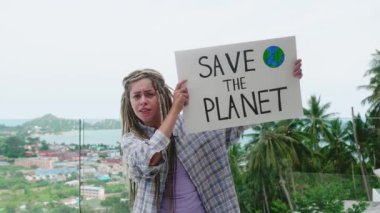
(144,101)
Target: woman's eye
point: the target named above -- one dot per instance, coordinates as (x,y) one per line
(136,97)
(149,95)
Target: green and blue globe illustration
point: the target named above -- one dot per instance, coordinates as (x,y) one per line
(273,56)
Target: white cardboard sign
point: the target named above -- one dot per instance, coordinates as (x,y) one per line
(240,84)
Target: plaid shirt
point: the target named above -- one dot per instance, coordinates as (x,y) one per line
(204,156)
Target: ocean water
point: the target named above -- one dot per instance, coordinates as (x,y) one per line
(104,136)
(13,122)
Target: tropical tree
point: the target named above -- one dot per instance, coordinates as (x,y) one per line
(338,151)
(316,122)
(367,145)
(368,140)
(374,109)
(44,146)
(374,87)
(237,158)
(234,155)
(14,147)
(275,148)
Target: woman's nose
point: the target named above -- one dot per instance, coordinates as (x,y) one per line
(143,100)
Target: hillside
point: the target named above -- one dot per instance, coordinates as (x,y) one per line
(50,123)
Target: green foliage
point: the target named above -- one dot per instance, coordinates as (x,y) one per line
(49,124)
(73,176)
(233,154)
(2,146)
(109,201)
(113,188)
(60,208)
(44,146)
(107,124)
(320,198)
(278,206)
(10,170)
(62,191)
(10,208)
(114,204)
(36,208)
(94,182)
(316,123)
(278,149)
(358,208)
(326,192)
(14,147)
(13,183)
(339,149)
(368,138)
(41,183)
(373,86)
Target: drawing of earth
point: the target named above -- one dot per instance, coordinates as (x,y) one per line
(273,56)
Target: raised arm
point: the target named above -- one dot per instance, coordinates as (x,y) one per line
(180,99)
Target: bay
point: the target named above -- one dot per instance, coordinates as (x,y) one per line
(109,137)
(13,122)
(104,136)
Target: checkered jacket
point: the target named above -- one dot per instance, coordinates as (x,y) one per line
(203,155)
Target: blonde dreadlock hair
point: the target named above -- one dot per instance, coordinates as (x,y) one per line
(131,123)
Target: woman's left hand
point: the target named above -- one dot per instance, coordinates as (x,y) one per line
(297,72)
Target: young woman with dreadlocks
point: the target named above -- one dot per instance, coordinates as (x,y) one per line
(168,169)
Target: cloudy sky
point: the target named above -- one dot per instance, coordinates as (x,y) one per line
(68,57)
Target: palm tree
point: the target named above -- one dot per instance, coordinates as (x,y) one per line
(316,121)
(274,150)
(338,152)
(361,135)
(374,87)
(234,156)
(237,159)
(368,140)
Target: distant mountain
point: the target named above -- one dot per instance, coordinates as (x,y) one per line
(50,123)
(106,124)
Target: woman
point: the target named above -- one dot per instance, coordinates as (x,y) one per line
(170,170)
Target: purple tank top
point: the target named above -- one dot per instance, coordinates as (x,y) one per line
(186,196)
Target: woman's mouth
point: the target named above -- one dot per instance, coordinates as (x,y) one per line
(144,111)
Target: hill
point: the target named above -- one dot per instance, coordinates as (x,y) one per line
(50,123)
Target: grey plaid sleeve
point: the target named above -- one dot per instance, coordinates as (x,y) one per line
(138,152)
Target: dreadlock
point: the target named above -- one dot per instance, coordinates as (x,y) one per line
(130,122)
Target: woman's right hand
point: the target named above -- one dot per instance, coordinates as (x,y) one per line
(180,99)
(180,96)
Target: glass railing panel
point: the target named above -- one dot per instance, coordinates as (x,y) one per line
(70,165)
(38,169)
(307,164)
(103,185)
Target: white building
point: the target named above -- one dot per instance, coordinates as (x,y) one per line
(92,192)
(376,195)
